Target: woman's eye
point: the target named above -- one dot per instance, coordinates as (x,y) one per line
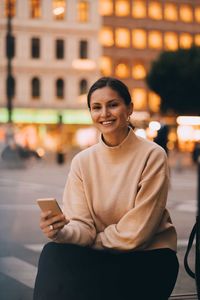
(113,104)
(96,107)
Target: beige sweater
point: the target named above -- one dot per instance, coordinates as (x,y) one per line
(115,197)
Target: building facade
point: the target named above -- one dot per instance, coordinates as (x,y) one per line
(55,59)
(61,47)
(134,32)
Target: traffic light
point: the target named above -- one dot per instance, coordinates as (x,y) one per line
(10,46)
(10,86)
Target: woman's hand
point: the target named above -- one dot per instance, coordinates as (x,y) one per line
(51,226)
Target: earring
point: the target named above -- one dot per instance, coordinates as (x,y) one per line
(128,120)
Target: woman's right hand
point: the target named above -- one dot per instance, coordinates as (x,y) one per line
(51,226)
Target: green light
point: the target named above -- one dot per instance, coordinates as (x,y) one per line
(46,116)
(3,115)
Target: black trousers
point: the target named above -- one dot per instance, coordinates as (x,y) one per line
(72,272)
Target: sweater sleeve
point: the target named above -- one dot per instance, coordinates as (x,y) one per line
(80,230)
(136,228)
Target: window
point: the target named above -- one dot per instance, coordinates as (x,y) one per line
(35,47)
(197,40)
(122,70)
(106,65)
(35,87)
(185,40)
(83,11)
(186,13)
(83,87)
(59,9)
(170,12)
(155,39)
(155,10)
(106,37)
(60,89)
(122,8)
(122,38)
(10,46)
(106,7)
(139,96)
(138,71)
(83,49)
(197,13)
(35,8)
(60,49)
(154,102)
(170,41)
(139,9)
(139,38)
(10,8)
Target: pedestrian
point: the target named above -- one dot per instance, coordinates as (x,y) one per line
(196,152)
(162,137)
(115,239)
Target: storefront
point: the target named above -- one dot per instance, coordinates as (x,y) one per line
(49,129)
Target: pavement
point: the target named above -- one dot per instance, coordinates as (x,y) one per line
(21,240)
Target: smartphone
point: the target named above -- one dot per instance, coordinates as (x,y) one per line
(46,204)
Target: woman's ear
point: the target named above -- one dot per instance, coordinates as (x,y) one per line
(130,108)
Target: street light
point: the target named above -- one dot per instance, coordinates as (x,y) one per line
(10,55)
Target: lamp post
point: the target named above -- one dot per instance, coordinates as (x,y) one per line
(9,54)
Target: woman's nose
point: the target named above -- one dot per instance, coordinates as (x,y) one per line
(105,112)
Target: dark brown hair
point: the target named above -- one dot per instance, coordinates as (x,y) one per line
(114,84)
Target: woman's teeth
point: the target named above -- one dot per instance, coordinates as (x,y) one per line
(107,122)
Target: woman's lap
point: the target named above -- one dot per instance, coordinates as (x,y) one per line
(73,272)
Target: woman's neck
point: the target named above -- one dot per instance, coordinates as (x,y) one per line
(113,140)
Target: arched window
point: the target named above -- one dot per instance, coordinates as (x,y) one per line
(106,7)
(83,11)
(35,9)
(59,9)
(35,87)
(106,65)
(122,70)
(83,49)
(107,36)
(60,88)
(83,86)
(122,37)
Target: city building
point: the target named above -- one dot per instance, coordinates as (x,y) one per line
(133,34)
(61,46)
(135,31)
(55,59)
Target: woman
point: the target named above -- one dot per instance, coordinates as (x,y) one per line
(115,239)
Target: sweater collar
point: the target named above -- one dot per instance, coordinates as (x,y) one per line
(121,150)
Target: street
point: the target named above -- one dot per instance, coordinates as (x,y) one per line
(21,239)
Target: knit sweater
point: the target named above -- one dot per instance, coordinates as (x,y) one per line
(115,197)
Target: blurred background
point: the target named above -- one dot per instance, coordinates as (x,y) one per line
(51,51)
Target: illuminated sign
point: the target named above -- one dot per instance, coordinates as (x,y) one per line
(46,116)
(188,120)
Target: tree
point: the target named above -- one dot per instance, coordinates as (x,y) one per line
(175,77)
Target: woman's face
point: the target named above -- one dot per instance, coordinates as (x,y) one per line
(109,111)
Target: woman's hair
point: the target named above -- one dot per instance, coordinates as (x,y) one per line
(114,84)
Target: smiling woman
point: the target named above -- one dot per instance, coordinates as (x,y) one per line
(116,236)
(110,114)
